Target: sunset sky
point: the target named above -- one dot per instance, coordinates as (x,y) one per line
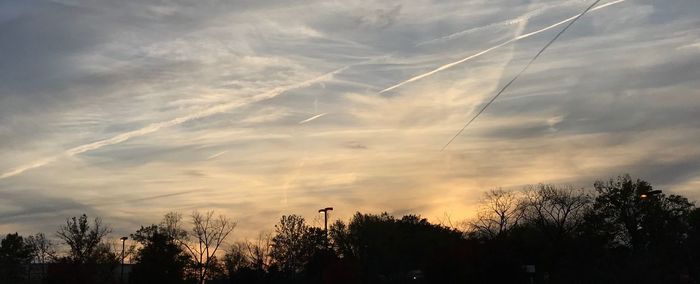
(128,110)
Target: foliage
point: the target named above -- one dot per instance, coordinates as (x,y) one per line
(14,255)
(89,259)
(295,243)
(391,249)
(160,258)
(621,231)
(85,240)
(43,249)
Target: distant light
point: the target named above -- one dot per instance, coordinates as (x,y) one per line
(643,196)
(124,238)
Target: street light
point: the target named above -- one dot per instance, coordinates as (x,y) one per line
(650,193)
(325,218)
(121,277)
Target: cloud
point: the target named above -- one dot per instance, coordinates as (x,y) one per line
(130,111)
(166,124)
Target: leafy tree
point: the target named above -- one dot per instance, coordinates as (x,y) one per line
(15,254)
(236,260)
(294,244)
(89,259)
(340,236)
(394,249)
(84,240)
(693,243)
(160,258)
(647,227)
(640,216)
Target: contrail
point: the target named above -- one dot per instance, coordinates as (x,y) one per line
(449,65)
(176,121)
(504,23)
(27,167)
(524,69)
(217,155)
(312,118)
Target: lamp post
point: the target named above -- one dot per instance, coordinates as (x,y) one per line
(649,194)
(325,218)
(121,277)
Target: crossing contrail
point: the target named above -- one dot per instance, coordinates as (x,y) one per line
(450,65)
(504,23)
(173,122)
(312,118)
(575,18)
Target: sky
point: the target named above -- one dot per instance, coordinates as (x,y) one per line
(127,110)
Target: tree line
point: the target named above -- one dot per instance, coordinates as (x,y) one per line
(620,231)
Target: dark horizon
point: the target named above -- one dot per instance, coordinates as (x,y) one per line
(623,231)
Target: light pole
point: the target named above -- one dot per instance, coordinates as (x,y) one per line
(121,277)
(649,193)
(325,218)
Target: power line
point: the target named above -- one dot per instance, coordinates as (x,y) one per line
(520,73)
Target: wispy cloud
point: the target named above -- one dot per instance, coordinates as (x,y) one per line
(455,63)
(170,123)
(505,23)
(151,107)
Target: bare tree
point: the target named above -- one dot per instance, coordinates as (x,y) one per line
(557,211)
(43,249)
(500,211)
(171,226)
(208,233)
(258,251)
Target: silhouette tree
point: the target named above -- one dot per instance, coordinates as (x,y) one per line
(500,212)
(248,261)
(43,250)
(294,244)
(693,244)
(556,211)
(84,240)
(623,232)
(15,254)
(640,216)
(646,227)
(160,258)
(236,260)
(258,252)
(341,242)
(171,225)
(394,251)
(207,235)
(89,259)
